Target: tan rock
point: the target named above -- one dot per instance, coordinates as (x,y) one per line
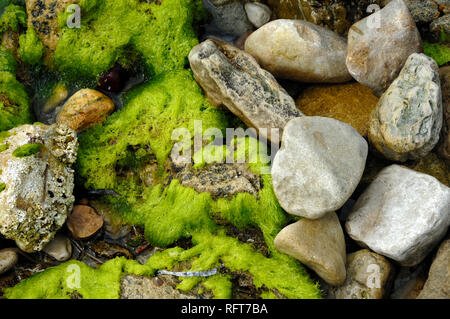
(319,244)
(59,248)
(84,109)
(368,275)
(8,259)
(379,45)
(301,51)
(350,103)
(435,166)
(83,222)
(444,144)
(437,285)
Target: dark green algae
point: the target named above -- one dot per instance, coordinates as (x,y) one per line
(111,156)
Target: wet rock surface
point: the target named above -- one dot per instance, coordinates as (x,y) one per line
(83,221)
(318,167)
(233,78)
(437,285)
(300,51)
(402,215)
(350,103)
(368,276)
(379,45)
(319,244)
(408,118)
(37,185)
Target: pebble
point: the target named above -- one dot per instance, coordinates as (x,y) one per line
(423,11)
(402,215)
(368,276)
(233,78)
(377,52)
(37,192)
(83,222)
(301,51)
(408,118)
(258,14)
(228,18)
(351,103)
(444,144)
(84,109)
(437,285)
(441,23)
(59,248)
(319,244)
(318,167)
(8,259)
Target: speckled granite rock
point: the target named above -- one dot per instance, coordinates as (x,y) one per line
(350,103)
(233,78)
(437,285)
(423,11)
(318,167)
(408,118)
(402,215)
(37,188)
(379,45)
(368,274)
(319,244)
(299,50)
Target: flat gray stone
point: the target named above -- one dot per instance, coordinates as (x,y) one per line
(402,215)
(318,167)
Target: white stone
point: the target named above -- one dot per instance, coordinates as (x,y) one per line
(258,13)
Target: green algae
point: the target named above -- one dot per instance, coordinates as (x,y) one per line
(31,48)
(13,18)
(2,187)
(27,150)
(439,52)
(4,147)
(15,104)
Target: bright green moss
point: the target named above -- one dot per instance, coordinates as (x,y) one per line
(2,187)
(27,150)
(4,147)
(14,100)
(162,34)
(13,18)
(439,52)
(31,48)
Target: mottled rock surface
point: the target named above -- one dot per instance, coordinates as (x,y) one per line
(299,50)
(423,11)
(350,103)
(318,167)
(83,221)
(8,259)
(84,109)
(437,285)
(402,215)
(444,144)
(408,118)
(368,274)
(319,244)
(379,45)
(37,187)
(233,78)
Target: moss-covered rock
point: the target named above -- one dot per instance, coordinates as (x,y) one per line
(31,48)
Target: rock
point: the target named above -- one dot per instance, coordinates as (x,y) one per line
(43,17)
(437,285)
(140,287)
(318,167)
(299,50)
(114,79)
(423,11)
(409,282)
(444,144)
(434,166)
(228,18)
(441,23)
(84,109)
(376,53)
(115,227)
(258,14)
(368,276)
(38,185)
(402,215)
(408,118)
(10,41)
(350,103)
(232,77)
(8,259)
(444,5)
(83,222)
(59,248)
(319,244)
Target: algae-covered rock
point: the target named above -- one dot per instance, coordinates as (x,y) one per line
(14,101)
(38,183)
(350,103)
(433,165)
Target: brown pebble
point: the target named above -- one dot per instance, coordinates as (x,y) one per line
(83,222)
(157,282)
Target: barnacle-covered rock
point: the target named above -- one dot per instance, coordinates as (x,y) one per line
(37,183)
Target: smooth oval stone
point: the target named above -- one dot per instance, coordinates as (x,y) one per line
(8,258)
(301,51)
(258,13)
(59,248)
(319,165)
